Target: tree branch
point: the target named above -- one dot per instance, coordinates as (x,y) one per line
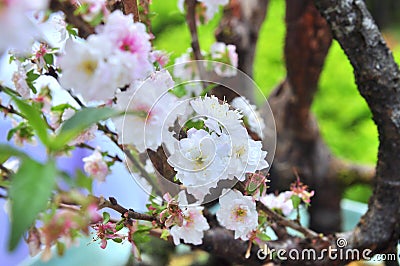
(350,173)
(131,7)
(127,213)
(377,76)
(191,21)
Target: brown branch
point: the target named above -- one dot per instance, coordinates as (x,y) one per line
(377,77)
(131,7)
(10,109)
(127,213)
(191,21)
(350,173)
(146,16)
(84,28)
(285,222)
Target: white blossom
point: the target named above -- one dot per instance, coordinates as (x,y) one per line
(200,161)
(238,213)
(194,223)
(218,115)
(148,107)
(132,40)
(247,157)
(185,70)
(212,7)
(84,68)
(18,30)
(253,118)
(280,202)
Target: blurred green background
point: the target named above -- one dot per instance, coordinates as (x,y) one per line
(343,115)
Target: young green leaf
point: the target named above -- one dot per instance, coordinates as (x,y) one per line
(106,217)
(30,190)
(35,120)
(80,121)
(6,151)
(296,200)
(165,234)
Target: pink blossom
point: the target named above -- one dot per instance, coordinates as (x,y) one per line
(159,57)
(301,190)
(105,232)
(95,166)
(132,40)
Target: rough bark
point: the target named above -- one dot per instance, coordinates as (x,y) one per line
(299,142)
(377,77)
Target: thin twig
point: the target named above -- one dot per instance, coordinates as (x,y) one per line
(127,213)
(10,109)
(115,158)
(280,220)
(287,223)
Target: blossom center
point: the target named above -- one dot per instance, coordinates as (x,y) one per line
(239,213)
(129,44)
(89,67)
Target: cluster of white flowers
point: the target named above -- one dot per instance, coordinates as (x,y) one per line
(222,150)
(194,223)
(116,56)
(225,54)
(281,202)
(186,69)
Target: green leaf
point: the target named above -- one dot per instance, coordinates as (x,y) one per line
(35,119)
(141,237)
(61,107)
(31,76)
(119,227)
(296,200)
(106,217)
(263,237)
(6,151)
(60,248)
(117,240)
(80,121)
(164,234)
(84,181)
(49,58)
(30,190)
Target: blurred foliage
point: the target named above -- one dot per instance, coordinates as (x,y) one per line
(343,115)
